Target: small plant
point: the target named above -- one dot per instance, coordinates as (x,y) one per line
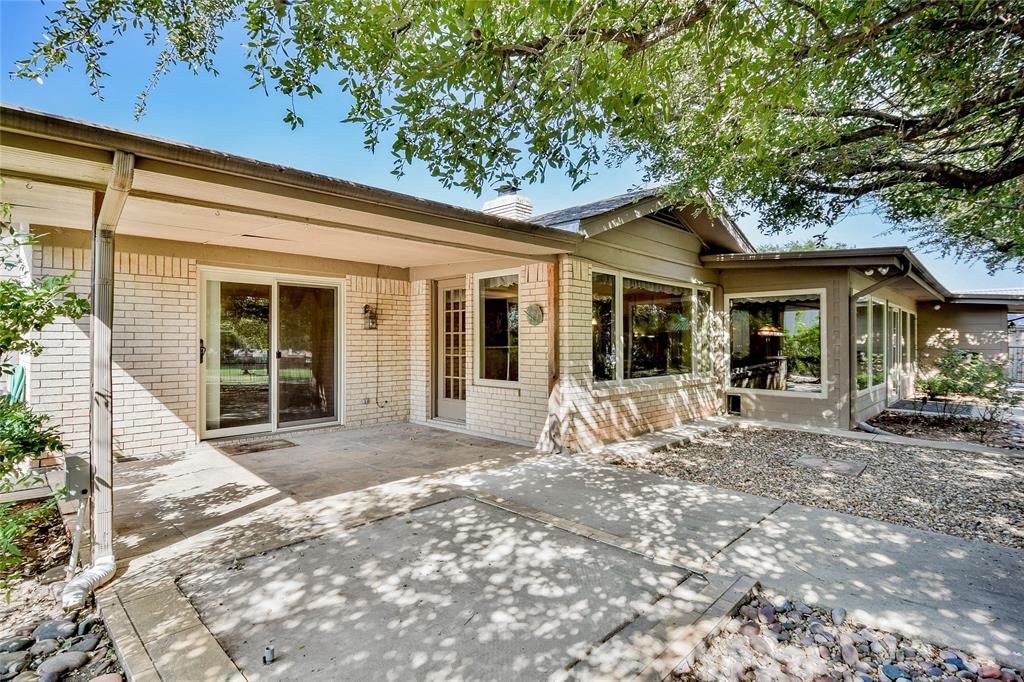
(27,305)
(961,373)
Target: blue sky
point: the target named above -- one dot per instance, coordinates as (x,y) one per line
(224,114)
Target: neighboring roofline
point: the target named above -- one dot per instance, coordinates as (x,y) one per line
(49,126)
(880,255)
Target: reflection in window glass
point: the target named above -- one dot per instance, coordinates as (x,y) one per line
(603,324)
(705,320)
(877,343)
(657,326)
(776,342)
(499,328)
(862,344)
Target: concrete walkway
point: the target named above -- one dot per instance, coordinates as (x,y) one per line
(499,571)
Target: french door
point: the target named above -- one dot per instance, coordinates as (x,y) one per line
(269,353)
(451,350)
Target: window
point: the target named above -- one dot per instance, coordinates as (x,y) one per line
(863,344)
(776,342)
(657,321)
(656,329)
(499,328)
(603,324)
(877,376)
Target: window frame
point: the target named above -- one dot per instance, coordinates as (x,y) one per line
(823,318)
(618,333)
(873,301)
(478,310)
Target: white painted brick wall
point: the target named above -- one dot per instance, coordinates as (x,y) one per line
(377,361)
(519,413)
(154,339)
(582,416)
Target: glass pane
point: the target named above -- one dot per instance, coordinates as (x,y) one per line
(237,354)
(776,342)
(877,343)
(603,324)
(454,346)
(306,343)
(657,326)
(705,332)
(862,344)
(499,328)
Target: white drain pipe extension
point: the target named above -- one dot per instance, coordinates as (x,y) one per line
(81,586)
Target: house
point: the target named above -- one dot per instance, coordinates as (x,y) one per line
(252,298)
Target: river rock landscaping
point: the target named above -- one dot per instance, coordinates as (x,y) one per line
(969,495)
(775,638)
(38,641)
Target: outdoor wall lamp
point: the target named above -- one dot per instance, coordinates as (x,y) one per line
(937,306)
(369,316)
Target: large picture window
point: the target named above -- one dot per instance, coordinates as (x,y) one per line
(776,342)
(863,339)
(603,325)
(645,329)
(657,321)
(499,328)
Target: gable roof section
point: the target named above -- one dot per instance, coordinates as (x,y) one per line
(593,218)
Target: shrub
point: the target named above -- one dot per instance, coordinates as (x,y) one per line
(965,374)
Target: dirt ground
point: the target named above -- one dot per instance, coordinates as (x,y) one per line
(46,552)
(928,427)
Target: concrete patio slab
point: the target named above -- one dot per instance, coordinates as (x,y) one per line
(655,511)
(935,587)
(163,500)
(458,590)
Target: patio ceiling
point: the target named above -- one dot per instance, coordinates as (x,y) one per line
(52,167)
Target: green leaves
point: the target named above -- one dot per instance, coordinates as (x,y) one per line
(802,110)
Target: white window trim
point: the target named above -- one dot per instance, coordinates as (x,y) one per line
(477,326)
(822,316)
(872,301)
(273,279)
(618,333)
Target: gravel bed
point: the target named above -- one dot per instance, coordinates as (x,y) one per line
(969,495)
(783,639)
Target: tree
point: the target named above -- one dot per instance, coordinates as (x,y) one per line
(799,109)
(812,244)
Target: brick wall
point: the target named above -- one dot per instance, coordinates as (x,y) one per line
(154,339)
(377,361)
(583,416)
(518,412)
(420,347)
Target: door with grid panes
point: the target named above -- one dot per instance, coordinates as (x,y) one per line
(451,350)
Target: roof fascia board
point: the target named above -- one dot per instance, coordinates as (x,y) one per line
(591,227)
(762,263)
(150,152)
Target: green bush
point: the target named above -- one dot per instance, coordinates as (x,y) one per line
(961,373)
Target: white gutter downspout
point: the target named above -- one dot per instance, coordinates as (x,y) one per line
(108,207)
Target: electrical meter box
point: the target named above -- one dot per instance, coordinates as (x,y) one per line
(77,479)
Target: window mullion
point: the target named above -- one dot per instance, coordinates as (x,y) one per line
(620,345)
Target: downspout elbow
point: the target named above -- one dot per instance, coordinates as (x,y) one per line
(85,583)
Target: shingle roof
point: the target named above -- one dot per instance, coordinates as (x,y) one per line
(583,211)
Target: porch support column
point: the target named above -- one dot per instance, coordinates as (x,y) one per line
(108,208)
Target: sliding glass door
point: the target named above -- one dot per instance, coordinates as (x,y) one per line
(268,354)
(306,343)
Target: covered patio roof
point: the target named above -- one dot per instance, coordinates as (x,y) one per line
(53,168)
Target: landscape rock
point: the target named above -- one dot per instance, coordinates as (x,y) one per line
(44,647)
(13,662)
(838,616)
(87,622)
(56,666)
(54,629)
(15,644)
(108,677)
(86,643)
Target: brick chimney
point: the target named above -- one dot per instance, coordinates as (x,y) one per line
(510,204)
